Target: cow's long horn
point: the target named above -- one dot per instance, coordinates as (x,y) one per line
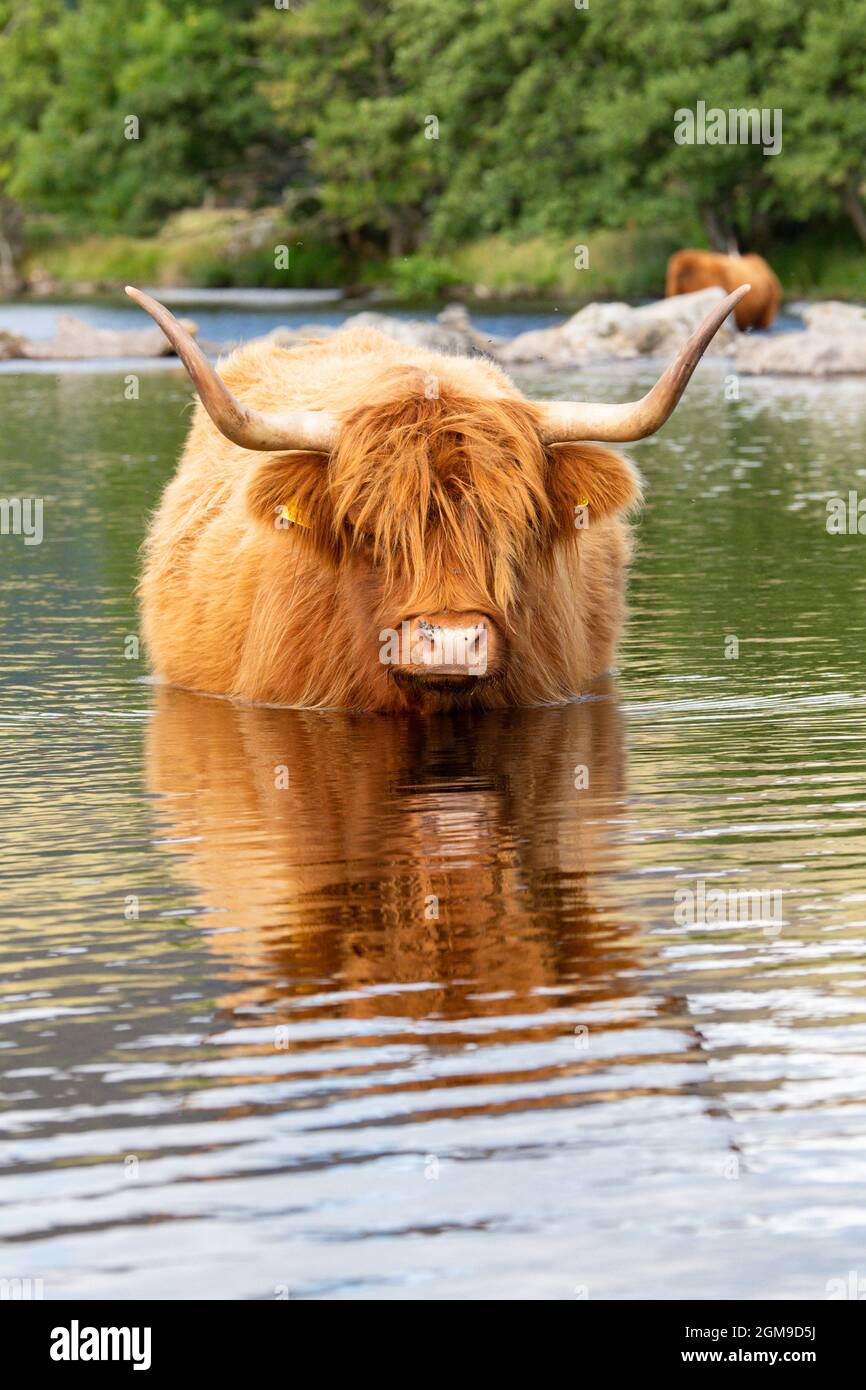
(566,421)
(252,429)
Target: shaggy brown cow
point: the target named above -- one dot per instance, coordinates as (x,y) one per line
(415,533)
(698,270)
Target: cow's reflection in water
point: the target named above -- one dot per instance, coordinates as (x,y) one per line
(366,866)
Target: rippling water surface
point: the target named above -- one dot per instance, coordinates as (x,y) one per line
(244,1058)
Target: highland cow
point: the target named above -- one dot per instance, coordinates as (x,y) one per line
(363,525)
(689,271)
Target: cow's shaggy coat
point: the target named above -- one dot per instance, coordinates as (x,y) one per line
(440,496)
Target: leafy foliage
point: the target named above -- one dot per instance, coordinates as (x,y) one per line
(144,113)
(410,128)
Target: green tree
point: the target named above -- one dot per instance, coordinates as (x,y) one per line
(651,59)
(399,122)
(504,80)
(332,76)
(822,87)
(148,115)
(28,74)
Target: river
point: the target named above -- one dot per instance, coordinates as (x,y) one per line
(241,1060)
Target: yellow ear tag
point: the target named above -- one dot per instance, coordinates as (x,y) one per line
(583,501)
(290,516)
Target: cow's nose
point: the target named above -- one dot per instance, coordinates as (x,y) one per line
(437,644)
(451,644)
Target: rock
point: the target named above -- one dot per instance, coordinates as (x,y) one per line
(10,345)
(454,334)
(211,348)
(617,330)
(814,352)
(455,317)
(832,315)
(293,337)
(453,331)
(76,339)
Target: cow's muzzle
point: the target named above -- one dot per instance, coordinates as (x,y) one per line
(449,649)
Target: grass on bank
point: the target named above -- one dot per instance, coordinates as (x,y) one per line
(212,248)
(202,247)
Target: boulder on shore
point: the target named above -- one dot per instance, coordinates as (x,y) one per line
(293,337)
(814,352)
(617,330)
(452,332)
(833,315)
(76,339)
(832,344)
(10,345)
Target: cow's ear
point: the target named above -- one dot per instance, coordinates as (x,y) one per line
(586,481)
(285,490)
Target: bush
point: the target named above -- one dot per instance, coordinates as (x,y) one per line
(419,278)
(116,260)
(622,264)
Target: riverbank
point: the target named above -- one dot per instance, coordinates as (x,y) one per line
(820,339)
(210,248)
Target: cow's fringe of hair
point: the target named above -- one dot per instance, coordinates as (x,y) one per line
(443,483)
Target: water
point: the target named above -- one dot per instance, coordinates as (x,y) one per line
(241,1059)
(230,322)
